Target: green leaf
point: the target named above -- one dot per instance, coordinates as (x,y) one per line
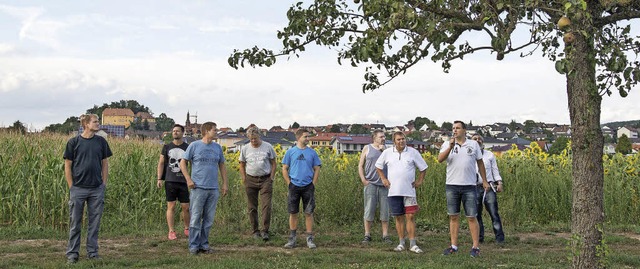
(560,67)
(623,93)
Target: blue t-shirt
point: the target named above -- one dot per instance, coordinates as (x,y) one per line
(301,163)
(205,160)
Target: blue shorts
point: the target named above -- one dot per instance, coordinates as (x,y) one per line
(401,205)
(465,194)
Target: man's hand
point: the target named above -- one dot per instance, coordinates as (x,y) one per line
(416,184)
(364,182)
(386,183)
(159,183)
(224,188)
(191,184)
(499,188)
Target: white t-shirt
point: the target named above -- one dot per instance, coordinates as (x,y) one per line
(401,169)
(490,166)
(462,162)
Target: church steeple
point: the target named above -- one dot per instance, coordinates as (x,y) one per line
(188,122)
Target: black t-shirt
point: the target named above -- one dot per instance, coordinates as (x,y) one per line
(87,155)
(172,156)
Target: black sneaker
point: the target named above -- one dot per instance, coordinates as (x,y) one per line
(72,260)
(366,240)
(475,252)
(206,251)
(265,236)
(257,235)
(95,257)
(449,251)
(387,240)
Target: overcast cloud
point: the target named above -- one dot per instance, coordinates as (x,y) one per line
(60,58)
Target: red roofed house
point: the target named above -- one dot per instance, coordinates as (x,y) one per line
(350,144)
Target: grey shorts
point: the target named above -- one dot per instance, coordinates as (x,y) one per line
(375,196)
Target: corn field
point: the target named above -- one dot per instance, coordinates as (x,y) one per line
(33,191)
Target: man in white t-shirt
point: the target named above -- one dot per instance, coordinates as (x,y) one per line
(489,198)
(401,163)
(462,156)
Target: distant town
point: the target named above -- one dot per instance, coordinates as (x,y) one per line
(422,134)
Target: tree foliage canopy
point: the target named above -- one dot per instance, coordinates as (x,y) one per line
(624,144)
(69,125)
(131,104)
(389,37)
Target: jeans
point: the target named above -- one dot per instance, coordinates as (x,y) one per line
(202,206)
(491,204)
(465,194)
(261,187)
(94,198)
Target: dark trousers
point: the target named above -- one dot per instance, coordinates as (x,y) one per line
(491,204)
(262,188)
(94,199)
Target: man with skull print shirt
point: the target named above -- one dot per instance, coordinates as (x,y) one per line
(175,186)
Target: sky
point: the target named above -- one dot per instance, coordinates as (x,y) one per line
(60,58)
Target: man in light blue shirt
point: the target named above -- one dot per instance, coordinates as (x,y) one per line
(206,158)
(300,169)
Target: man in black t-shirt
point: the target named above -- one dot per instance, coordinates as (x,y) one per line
(175,185)
(86,170)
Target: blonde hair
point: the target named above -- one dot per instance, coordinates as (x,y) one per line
(85,119)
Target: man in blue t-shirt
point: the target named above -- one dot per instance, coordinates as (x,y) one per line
(206,158)
(300,169)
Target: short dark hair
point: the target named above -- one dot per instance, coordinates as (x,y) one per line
(464,126)
(179,126)
(300,131)
(375,132)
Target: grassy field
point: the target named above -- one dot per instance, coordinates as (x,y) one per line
(336,249)
(535,207)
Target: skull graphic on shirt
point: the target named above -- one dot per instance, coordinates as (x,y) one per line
(175,155)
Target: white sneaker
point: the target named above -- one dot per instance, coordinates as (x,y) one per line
(415,249)
(399,248)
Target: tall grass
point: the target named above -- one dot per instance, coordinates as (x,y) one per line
(33,191)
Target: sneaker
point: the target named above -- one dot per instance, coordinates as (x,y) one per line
(475,252)
(291,243)
(449,251)
(387,240)
(194,252)
(310,243)
(95,257)
(399,248)
(415,249)
(366,240)
(256,235)
(265,236)
(186,232)
(172,235)
(206,251)
(72,260)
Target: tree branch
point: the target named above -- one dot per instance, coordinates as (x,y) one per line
(625,15)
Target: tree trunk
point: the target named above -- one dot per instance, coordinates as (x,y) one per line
(587,210)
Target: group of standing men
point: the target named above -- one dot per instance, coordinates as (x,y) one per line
(300,169)
(472,179)
(388,176)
